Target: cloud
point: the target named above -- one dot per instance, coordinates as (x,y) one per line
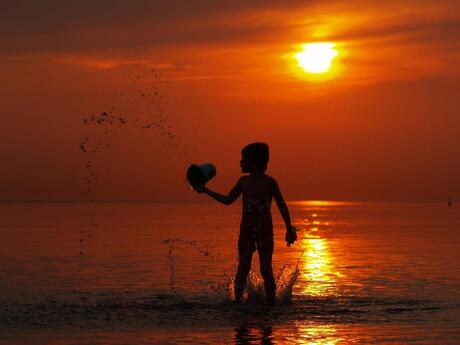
(402,39)
(105,64)
(52,25)
(60,26)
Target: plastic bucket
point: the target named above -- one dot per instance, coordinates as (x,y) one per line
(198,175)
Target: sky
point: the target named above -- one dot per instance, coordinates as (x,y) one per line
(382,125)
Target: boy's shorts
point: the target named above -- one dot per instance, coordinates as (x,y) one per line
(248,243)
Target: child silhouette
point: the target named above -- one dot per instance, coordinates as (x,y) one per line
(256,228)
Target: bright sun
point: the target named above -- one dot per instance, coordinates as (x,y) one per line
(316,57)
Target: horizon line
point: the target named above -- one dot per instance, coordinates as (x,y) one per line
(306,202)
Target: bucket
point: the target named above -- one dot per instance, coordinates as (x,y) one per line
(198,175)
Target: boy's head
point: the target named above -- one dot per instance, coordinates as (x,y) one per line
(254,158)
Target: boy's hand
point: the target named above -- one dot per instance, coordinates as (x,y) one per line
(291,235)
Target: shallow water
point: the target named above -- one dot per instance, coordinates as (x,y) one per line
(161,274)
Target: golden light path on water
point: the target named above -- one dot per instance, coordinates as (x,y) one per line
(318,335)
(318,270)
(317,266)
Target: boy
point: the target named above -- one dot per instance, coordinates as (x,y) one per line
(256,229)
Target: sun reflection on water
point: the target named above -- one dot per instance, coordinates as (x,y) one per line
(318,270)
(321,203)
(318,335)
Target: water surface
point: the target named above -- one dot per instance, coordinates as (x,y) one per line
(161,274)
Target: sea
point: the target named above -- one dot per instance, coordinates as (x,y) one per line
(162,273)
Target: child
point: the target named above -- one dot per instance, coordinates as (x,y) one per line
(256,229)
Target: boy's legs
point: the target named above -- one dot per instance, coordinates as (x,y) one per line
(265,250)
(245,250)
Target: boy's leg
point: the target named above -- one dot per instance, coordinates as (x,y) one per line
(245,251)
(265,250)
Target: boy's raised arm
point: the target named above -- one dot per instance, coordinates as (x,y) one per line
(224,199)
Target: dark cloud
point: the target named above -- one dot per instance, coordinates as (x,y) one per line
(31,26)
(141,37)
(65,26)
(51,15)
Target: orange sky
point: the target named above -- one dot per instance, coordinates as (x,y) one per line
(384,127)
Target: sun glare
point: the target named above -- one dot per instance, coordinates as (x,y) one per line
(316,58)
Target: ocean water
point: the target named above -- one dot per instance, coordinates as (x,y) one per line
(161,273)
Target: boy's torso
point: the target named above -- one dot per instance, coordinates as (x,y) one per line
(257,193)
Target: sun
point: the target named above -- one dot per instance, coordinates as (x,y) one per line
(316,58)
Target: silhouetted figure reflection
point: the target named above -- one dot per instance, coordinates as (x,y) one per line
(250,335)
(256,228)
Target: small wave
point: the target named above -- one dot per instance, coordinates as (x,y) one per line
(214,308)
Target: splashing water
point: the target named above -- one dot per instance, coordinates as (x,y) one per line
(148,87)
(254,292)
(175,243)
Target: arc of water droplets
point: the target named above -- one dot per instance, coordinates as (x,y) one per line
(110,122)
(173,241)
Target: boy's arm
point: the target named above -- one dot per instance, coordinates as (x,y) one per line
(281,205)
(291,235)
(224,199)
